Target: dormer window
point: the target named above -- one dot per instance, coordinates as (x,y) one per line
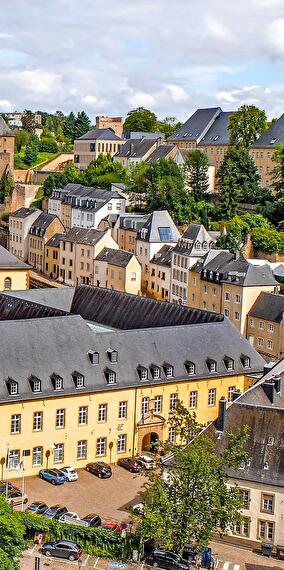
(143,372)
(245,360)
(57,381)
(94,357)
(12,387)
(229,363)
(35,384)
(78,379)
(110,376)
(205,245)
(212,365)
(198,245)
(169,370)
(265,465)
(113,355)
(190,367)
(156,373)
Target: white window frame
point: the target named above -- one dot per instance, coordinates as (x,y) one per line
(172,435)
(16,423)
(60,418)
(37,421)
(82,449)
(122,410)
(83,416)
(37,456)
(121,443)
(102,413)
(212,397)
(173,401)
(158,404)
(145,405)
(193,399)
(101,446)
(58,453)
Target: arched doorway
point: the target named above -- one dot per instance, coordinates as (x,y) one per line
(150,442)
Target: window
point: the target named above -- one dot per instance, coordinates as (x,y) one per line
(14,458)
(245,360)
(37,421)
(168,371)
(37,456)
(212,397)
(83,416)
(101,446)
(121,443)
(110,376)
(155,372)
(7,284)
(145,406)
(243,528)
(58,452)
(36,385)
(190,368)
(173,401)
(265,530)
(113,355)
(143,373)
(158,402)
(205,289)
(193,399)
(231,390)
(237,316)
(227,296)
(12,387)
(226,312)
(16,423)
(251,323)
(122,411)
(172,435)
(60,418)
(229,363)
(270,344)
(267,503)
(133,276)
(57,382)
(238,299)
(94,357)
(270,440)
(82,449)
(78,379)
(102,416)
(194,281)
(260,341)
(261,325)
(271,327)
(245,494)
(212,365)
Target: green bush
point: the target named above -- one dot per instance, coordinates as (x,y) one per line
(268,240)
(48,144)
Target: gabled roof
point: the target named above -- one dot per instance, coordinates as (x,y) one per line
(133,221)
(195,241)
(240,271)
(136,148)
(159,228)
(23,212)
(117,257)
(163,256)
(196,127)
(41,223)
(163,151)
(13,308)
(83,235)
(273,136)
(10,261)
(269,307)
(214,260)
(219,133)
(5,131)
(100,134)
(55,240)
(55,297)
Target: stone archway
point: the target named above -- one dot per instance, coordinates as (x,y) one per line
(149,431)
(149,441)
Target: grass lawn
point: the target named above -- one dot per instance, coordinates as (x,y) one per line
(42,158)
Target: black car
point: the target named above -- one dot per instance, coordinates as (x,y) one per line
(99,468)
(130,464)
(5,486)
(37,508)
(92,519)
(62,549)
(55,511)
(167,559)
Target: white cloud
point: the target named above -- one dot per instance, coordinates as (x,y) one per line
(275,36)
(5,106)
(177,93)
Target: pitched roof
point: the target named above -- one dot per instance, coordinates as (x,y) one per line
(56,297)
(10,261)
(23,212)
(133,221)
(5,131)
(219,133)
(100,134)
(273,136)
(117,257)
(163,256)
(194,242)
(13,308)
(159,228)
(269,307)
(84,235)
(136,148)
(240,271)
(215,260)
(196,127)
(55,240)
(41,223)
(161,152)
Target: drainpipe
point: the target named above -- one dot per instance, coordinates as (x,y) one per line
(134,422)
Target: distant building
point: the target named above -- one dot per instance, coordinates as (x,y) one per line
(7,148)
(265,325)
(14,273)
(15,119)
(20,223)
(42,229)
(114,123)
(126,229)
(52,256)
(119,270)
(160,273)
(90,145)
(262,151)
(136,150)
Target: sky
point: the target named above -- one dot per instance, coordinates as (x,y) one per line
(171,56)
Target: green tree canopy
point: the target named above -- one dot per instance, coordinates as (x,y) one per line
(82,124)
(31,153)
(238,180)
(168,126)
(28,121)
(197,165)
(140,119)
(12,532)
(278,171)
(246,125)
(6,185)
(22,138)
(69,126)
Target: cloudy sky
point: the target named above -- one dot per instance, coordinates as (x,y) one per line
(172,56)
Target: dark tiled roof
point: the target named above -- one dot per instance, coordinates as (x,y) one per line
(215,260)
(56,297)
(161,152)
(163,256)
(273,136)
(240,271)
(158,225)
(196,127)
(23,212)
(135,148)
(10,261)
(13,308)
(84,235)
(41,223)
(117,257)
(219,133)
(100,134)
(269,307)
(5,131)
(55,240)
(133,221)
(195,241)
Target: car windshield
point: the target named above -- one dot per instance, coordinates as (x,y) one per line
(34,507)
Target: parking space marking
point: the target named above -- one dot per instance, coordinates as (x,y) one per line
(226,565)
(236,567)
(85,561)
(96,562)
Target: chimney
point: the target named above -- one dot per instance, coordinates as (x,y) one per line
(221,414)
(268,388)
(236,394)
(267,367)
(277,383)
(131,148)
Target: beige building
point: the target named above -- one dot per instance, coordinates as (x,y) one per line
(20,223)
(117,269)
(265,325)
(78,249)
(263,149)
(14,273)
(136,150)
(42,229)
(160,273)
(126,228)
(89,146)
(7,148)
(114,123)
(52,256)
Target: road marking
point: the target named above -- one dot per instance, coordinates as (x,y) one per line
(85,561)
(33,549)
(217,562)
(226,565)
(96,562)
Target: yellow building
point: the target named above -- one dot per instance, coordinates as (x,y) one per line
(52,256)
(93,143)
(265,325)
(160,273)
(77,394)
(118,269)
(14,273)
(126,229)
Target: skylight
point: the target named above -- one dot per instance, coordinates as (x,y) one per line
(165,234)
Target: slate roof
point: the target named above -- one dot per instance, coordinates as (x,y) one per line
(117,257)
(13,308)
(23,212)
(55,240)
(83,235)
(41,224)
(163,256)
(194,242)
(133,221)
(273,136)
(196,127)
(10,261)
(161,152)
(135,148)
(5,131)
(215,260)
(100,134)
(158,220)
(269,307)
(55,297)
(87,194)
(219,133)
(240,271)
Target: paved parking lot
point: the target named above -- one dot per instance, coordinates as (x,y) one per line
(109,498)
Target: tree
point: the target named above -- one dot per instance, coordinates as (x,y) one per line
(246,125)
(12,531)
(140,119)
(82,124)
(278,171)
(28,121)
(165,190)
(237,229)
(189,501)
(137,179)
(6,185)
(31,153)
(197,165)
(69,126)
(22,138)
(168,126)
(238,180)
(48,144)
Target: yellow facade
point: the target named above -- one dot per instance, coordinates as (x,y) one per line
(137,427)
(51,261)
(126,239)
(14,279)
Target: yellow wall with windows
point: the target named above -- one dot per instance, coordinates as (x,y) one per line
(110,429)
(19,279)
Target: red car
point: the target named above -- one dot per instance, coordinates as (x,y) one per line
(111,525)
(130,464)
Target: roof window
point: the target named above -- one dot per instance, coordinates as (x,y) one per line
(211,364)
(35,384)
(229,363)
(113,355)
(190,367)
(12,387)
(142,372)
(57,381)
(78,379)
(94,356)
(169,370)
(270,440)
(110,376)
(155,371)
(245,360)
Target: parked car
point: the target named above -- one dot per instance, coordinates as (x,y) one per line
(130,464)
(5,485)
(53,476)
(146,462)
(55,511)
(99,468)
(62,549)
(167,559)
(111,525)
(70,515)
(92,519)
(16,497)
(70,473)
(37,508)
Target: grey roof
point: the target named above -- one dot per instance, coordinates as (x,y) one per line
(23,212)
(56,297)
(194,242)
(159,220)
(215,260)
(83,235)
(117,257)
(163,256)
(273,136)
(10,261)
(161,152)
(100,134)
(269,307)
(55,240)
(240,271)
(88,196)
(13,308)
(41,224)
(136,148)
(196,127)
(143,134)
(5,131)
(219,133)
(133,221)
